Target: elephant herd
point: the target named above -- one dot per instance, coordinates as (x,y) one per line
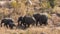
(26,21)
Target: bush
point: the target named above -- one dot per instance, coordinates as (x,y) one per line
(14,3)
(52,4)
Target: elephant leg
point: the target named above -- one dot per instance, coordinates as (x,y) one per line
(24,25)
(6,25)
(1,24)
(45,23)
(37,23)
(11,26)
(40,23)
(28,25)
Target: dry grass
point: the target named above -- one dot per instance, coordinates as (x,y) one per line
(32,30)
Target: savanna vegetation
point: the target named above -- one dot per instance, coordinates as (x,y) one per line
(17,8)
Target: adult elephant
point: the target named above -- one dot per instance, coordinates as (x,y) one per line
(41,18)
(8,22)
(26,21)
